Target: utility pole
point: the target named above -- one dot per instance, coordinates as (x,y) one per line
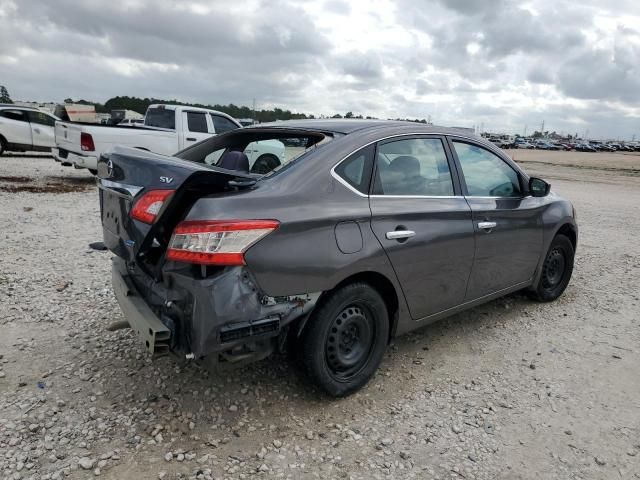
(525,131)
(542,128)
(254,109)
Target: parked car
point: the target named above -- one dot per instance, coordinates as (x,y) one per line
(373,230)
(25,129)
(544,145)
(585,147)
(522,144)
(167,129)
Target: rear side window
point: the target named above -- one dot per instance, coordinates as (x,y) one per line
(356,170)
(161,118)
(415,166)
(486,174)
(41,118)
(18,115)
(197,122)
(222,124)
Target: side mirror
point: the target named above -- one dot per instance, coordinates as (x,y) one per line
(538,187)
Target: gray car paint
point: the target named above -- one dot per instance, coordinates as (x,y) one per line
(428,273)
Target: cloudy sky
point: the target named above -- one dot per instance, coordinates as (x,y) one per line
(501,64)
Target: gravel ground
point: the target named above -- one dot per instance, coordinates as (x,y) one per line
(509,390)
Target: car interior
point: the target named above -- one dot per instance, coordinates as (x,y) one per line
(412,167)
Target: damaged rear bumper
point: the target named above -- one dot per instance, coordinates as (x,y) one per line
(223,315)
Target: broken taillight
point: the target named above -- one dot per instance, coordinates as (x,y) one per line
(148,205)
(216,242)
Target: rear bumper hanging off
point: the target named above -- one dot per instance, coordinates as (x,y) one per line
(223,314)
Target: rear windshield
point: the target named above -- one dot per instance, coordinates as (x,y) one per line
(161,118)
(266,154)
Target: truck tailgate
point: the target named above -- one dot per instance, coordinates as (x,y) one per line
(68,136)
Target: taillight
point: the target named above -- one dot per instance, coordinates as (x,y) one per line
(86,142)
(148,205)
(216,242)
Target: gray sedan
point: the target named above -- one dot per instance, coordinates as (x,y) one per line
(360,231)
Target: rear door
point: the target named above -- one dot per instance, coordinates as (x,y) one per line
(42,129)
(14,126)
(195,127)
(423,222)
(507,223)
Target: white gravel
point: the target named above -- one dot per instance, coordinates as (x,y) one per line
(512,389)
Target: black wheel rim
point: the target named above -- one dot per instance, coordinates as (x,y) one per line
(554,268)
(349,341)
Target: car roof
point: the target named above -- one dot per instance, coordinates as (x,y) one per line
(20,107)
(347,126)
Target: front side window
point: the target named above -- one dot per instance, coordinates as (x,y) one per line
(222,124)
(486,174)
(197,122)
(356,170)
(415,166)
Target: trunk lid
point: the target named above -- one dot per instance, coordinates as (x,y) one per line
(126,174)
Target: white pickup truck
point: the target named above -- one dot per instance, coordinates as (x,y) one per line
(167,129)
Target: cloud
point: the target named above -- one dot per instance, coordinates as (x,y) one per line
(502,63)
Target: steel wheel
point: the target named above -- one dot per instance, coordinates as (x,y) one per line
(349,342)
(554,267)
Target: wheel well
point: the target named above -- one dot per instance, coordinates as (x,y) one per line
(384,287)
(568,231)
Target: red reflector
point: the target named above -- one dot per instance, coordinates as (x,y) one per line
(86,142)
(216,242)
(148,205)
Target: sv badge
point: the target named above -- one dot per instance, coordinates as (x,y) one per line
(166,179)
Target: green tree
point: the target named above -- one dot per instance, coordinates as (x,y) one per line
(4,95)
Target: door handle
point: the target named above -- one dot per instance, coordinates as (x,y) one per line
(400,234)
(190,139)
(37,130)
(486,225)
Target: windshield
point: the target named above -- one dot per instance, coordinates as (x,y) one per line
(161,118)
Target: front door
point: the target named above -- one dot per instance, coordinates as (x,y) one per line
(15,127)
(422,222)
(508,224)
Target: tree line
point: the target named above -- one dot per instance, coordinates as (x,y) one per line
(140,105)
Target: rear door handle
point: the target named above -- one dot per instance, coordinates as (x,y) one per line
(191,139)
(486,225)
(400,234)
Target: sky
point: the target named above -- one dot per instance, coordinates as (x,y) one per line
(499,65)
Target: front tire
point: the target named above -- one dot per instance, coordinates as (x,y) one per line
(556,270)
(3,145)
(345,339)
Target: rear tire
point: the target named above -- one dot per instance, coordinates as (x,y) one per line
(93,172)
(556,270)
(345,339)
(3,145)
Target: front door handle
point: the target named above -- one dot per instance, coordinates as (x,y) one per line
(486,225)
(400,234)
(191,139)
